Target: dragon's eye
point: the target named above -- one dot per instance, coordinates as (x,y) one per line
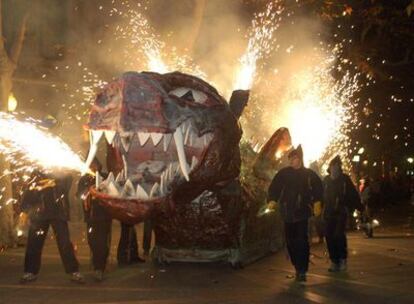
(189,94)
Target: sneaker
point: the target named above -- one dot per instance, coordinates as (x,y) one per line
(99,275)
(343,265)
(335,267)
(77,277)
(28,277)
(300,277)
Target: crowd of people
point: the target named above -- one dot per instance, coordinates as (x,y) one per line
(297,192)
(300,194)
(46,202)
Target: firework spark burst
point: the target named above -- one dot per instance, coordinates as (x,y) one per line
(25,142)
(260,44)
(319,110)
(141,38)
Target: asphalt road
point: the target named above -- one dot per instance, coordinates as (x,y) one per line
(381,270)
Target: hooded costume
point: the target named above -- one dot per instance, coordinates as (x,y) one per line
(340,197)
(296,190)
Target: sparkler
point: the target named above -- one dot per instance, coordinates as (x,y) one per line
(25,142)
(260,44)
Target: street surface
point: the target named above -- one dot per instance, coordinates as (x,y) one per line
(380,270)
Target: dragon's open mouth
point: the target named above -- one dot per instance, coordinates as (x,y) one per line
(152,163)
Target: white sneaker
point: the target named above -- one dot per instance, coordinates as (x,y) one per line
(99,275)
(77,277)
(343,265)
(28,277)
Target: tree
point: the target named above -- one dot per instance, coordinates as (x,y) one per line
(8,64)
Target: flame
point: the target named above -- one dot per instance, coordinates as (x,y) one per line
(155,62)
(318,111)
(24,142)
(260,44)
(11,103)
(247,71)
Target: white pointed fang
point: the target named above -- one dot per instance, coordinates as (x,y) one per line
(95,136)
(156,138)
(143,137)
(98,180)
(167,140)
(161,188)
(91,155)
(128,189)
(154,189)
(141,193)
(120,177)
(171,172)
(194,162)
(192,136)
(207,139)
(179,144)
(110,178)
(187,135)
(162,182)
(112,189)
(126,142)
(125,166)
(110,135)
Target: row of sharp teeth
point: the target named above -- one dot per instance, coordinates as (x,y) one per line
(126,138)
(184,134)
(113,186)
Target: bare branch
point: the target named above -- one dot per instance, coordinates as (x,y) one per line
(2,48)
(17,46)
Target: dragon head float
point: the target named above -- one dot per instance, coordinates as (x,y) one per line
(173,156)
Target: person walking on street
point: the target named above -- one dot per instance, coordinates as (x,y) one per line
(294,190)
(127,252)
(98,223)
(340,196)
(46,201)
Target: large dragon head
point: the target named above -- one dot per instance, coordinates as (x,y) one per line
(169,136)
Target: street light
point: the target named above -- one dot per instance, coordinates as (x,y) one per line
(410,160)
(11,103)
(356,158)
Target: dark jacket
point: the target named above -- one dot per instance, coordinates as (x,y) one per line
(93,211)
(49,203)
(339,197)
(296,190)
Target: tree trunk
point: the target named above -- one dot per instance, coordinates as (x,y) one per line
(7,68)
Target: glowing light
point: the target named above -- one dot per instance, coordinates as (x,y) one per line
(361,150)
(356,158)
(141,38)
(260,43)
(12,103)
(410,160)
(142,35)
(318,111)
(24,142)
